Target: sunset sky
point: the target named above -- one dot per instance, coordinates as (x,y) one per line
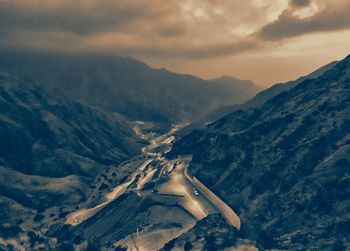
(266,41)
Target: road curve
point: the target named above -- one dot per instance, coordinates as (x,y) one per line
(218,204)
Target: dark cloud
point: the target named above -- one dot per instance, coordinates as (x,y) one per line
(129,47)
(191,29)
(152,28)
(223,49)
(203,52)
(300,3)
(333,18)
(170,30)
(76,16)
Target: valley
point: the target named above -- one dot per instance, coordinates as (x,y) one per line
(75,177)
(192,125)
(178,200)
(270,174)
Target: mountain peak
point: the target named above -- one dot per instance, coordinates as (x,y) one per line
(347,57)
(231,79)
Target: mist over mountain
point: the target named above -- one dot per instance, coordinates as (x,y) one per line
(284,165)
(65,122)
(244,88)
(127,86)
(276,89)
(280,162)
(264,95)
(259,99)
(100,151)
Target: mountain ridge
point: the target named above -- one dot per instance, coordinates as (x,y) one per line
(255,101)
(39,123)
(125,85)
(289,158)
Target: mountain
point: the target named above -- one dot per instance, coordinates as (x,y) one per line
(284,166)
(41,129)
(127,86)
(243,88)
(256,101)
(51,148)
(276,89)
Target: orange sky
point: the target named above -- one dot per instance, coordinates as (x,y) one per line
(267,41)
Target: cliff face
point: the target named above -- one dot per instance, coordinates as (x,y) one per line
(284,166)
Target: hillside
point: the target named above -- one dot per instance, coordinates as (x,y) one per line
(284,166)
(258,100)
(41,129)
(127,86)
(51,148)
(211,233)
(261,97)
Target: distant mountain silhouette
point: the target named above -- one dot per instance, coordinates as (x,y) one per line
(260,98)
(127,86)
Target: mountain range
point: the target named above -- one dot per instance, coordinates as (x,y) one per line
(66,120)
(261,97)
(51,148)
(284,165)
(68,137)
(127,86)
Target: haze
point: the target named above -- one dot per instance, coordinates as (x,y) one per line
(266,41)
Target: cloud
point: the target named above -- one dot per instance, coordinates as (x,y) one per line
(81,17)
(125,45)
(172,29)
(223,49)
(300,3)
(156,28)
(333,17)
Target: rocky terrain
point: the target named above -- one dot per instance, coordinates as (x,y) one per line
(51,151)
(59,156)
(41,129)
(284,166)
(260,98)
(211,233)
(74,176)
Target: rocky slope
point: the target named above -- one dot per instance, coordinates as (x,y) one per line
(127,86)
(211,233)
(51,148)
(45,134)
(260,98)
(284,166)
(256,101)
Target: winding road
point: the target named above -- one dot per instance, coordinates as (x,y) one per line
(198,200)
(207,196)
